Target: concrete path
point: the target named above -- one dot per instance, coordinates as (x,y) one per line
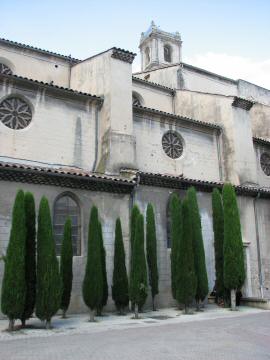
(235,336)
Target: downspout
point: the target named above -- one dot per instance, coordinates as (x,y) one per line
(97,109)
(258,244)
(218,138)
(173,101)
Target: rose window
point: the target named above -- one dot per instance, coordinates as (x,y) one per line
(265,163)
(172,144)
(4,69)
(15,113)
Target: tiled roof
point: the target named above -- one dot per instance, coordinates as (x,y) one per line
(144,109)
(153,84)
(64,177)
(242,103)
(181,182)
(261,141)
(24,46)
(123,55)
(50,86)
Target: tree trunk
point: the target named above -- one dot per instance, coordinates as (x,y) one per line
(11,324)
(153,304)
(64,314)
(233,299)
(99,313)
(186,309)
(92,315)
(121,312)
(48,324)
(23,323)
(136,311)
(197,305)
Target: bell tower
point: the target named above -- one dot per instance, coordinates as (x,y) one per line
(159,48)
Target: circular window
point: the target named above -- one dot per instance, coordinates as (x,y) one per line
(265,163)
(15,113)
(4,69)
(172,144)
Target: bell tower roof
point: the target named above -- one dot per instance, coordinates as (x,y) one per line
(159,48)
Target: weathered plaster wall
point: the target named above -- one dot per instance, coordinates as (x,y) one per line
(110,207)
(199,159)
(34,65)
(153,97)
(263,179)
(61,132)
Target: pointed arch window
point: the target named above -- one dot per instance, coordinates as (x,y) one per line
(147,55)
(66,206)
(167,53)
(4,69)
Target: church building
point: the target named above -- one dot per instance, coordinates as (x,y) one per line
(90,132)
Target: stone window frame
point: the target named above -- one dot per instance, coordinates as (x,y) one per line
(137,99)
(5,69)
(77,248)
(26,101)
(265,154)
(147,55)
(179,137)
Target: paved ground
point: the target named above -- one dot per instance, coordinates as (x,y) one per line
(233,337)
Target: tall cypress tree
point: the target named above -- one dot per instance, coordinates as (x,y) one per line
(30,257)
(151,249)
(176,233)
(49,285)
(234,267)
(120,279)
(218,228)
(186,277)
(198,247)
(14,285)
(138,278)
(93,279)
(66,266)
(134,214)
(104,272)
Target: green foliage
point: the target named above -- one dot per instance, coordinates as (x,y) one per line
(49,286)
(234,268)
(186,277)
(218,227)
(151,249)
(138,276)
(176,234)
(30,256)
(134,214)
(13,285)
(93,278)
(120,279)
(104,270)
(198,247)
(66,265)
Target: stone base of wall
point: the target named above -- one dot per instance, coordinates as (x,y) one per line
(256,302)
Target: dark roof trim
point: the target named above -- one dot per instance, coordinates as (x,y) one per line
(242,103)
(47,52)
(154,85)
(180,182)
(142,109)
(261,141)
(123,55)
(60,89)
(70,178)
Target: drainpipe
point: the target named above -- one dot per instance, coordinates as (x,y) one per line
(97,109)
(258,244)
(218,139)
(173,101)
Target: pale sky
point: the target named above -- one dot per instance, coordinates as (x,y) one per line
(228,37)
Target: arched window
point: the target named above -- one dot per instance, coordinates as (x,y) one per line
(137,99)
(167,53)
(147,55)
(66,206)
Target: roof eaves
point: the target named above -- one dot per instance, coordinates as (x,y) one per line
(153,84)
(177,117)
(47,52)
(261,141)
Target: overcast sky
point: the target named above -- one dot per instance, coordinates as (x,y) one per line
(224,36)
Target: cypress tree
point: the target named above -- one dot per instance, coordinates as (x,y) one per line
(14,285)
(198,247)
(138,278)
(66,266)
(134,214)
(234,268)
(218,228)
(30,257)
(176,233)
(104,272)
(93,279)
(186,277)
(120,279)
(49,286)
(151,248)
